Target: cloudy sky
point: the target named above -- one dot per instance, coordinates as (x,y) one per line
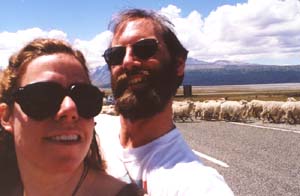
(254,31)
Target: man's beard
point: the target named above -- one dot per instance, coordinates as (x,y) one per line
(150,96)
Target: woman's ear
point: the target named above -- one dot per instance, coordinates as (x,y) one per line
(5,119)
(180,66)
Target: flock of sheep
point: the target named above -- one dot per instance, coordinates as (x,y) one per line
(238,111)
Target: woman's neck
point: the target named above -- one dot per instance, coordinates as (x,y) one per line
(41,183)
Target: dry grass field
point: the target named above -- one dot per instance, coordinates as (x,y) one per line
(279,92)
(268,92)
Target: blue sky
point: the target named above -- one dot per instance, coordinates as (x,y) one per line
(261,31)
(85,18)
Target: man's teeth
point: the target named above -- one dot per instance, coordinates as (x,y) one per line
(122,77)
(135,81)
(65,138)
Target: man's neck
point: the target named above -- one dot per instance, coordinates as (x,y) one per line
(140,132)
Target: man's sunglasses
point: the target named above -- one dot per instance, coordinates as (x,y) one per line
(143,49)
(43,99)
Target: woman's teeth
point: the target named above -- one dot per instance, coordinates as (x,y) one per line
(65,138)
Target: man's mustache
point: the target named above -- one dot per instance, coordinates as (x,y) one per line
(127,74)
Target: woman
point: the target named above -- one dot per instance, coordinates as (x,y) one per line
(47,110)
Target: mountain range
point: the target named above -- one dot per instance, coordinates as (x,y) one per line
(221,72)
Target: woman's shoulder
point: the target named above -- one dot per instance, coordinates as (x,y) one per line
(130,189)
(100,182)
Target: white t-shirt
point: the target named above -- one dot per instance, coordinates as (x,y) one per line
(165,166)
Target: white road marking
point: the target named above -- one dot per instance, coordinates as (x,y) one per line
(263,127)
(216,161)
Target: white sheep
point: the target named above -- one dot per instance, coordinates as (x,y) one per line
(291,99)
(291,110)
(198,109)
(272,111)
(211,109)
(255,107)
(182,110)
(233,110)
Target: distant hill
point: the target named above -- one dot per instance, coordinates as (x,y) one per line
(100,76)
(231,73)
(202,73)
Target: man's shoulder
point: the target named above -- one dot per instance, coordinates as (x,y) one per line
(191,178)
(183,171)
(170,150)
(187,168)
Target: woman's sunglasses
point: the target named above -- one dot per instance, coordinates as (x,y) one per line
(43,99)
(142,49)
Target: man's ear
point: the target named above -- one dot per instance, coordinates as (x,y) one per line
(5,119)
(180,66)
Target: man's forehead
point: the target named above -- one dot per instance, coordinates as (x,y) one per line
(140,22)
(130,29)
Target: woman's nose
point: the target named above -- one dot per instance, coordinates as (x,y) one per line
(68,110)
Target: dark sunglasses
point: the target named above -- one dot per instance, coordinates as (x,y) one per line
(143,49)
(43,99)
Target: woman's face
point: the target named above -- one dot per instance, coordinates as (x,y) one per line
(59,142)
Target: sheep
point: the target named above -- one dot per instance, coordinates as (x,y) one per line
(291,99)
(233,110)
(272,111)
(296,111)
(291,111)
(198,109)
(210,109)
(255,107)
(182,110)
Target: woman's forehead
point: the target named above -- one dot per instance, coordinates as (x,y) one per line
(62,67)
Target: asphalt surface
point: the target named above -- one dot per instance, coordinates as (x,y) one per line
(263,159)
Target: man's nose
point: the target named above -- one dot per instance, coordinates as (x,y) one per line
(130,60)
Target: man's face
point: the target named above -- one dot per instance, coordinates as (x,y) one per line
(142,87)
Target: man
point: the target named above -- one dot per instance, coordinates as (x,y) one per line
(146,62)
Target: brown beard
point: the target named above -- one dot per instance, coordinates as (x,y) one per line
(158,86)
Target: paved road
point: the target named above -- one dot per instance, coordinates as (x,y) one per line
(262,159)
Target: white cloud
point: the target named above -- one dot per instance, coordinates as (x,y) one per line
(188,29)
(171,11)
(258,31)
(94,48)
(11,42)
